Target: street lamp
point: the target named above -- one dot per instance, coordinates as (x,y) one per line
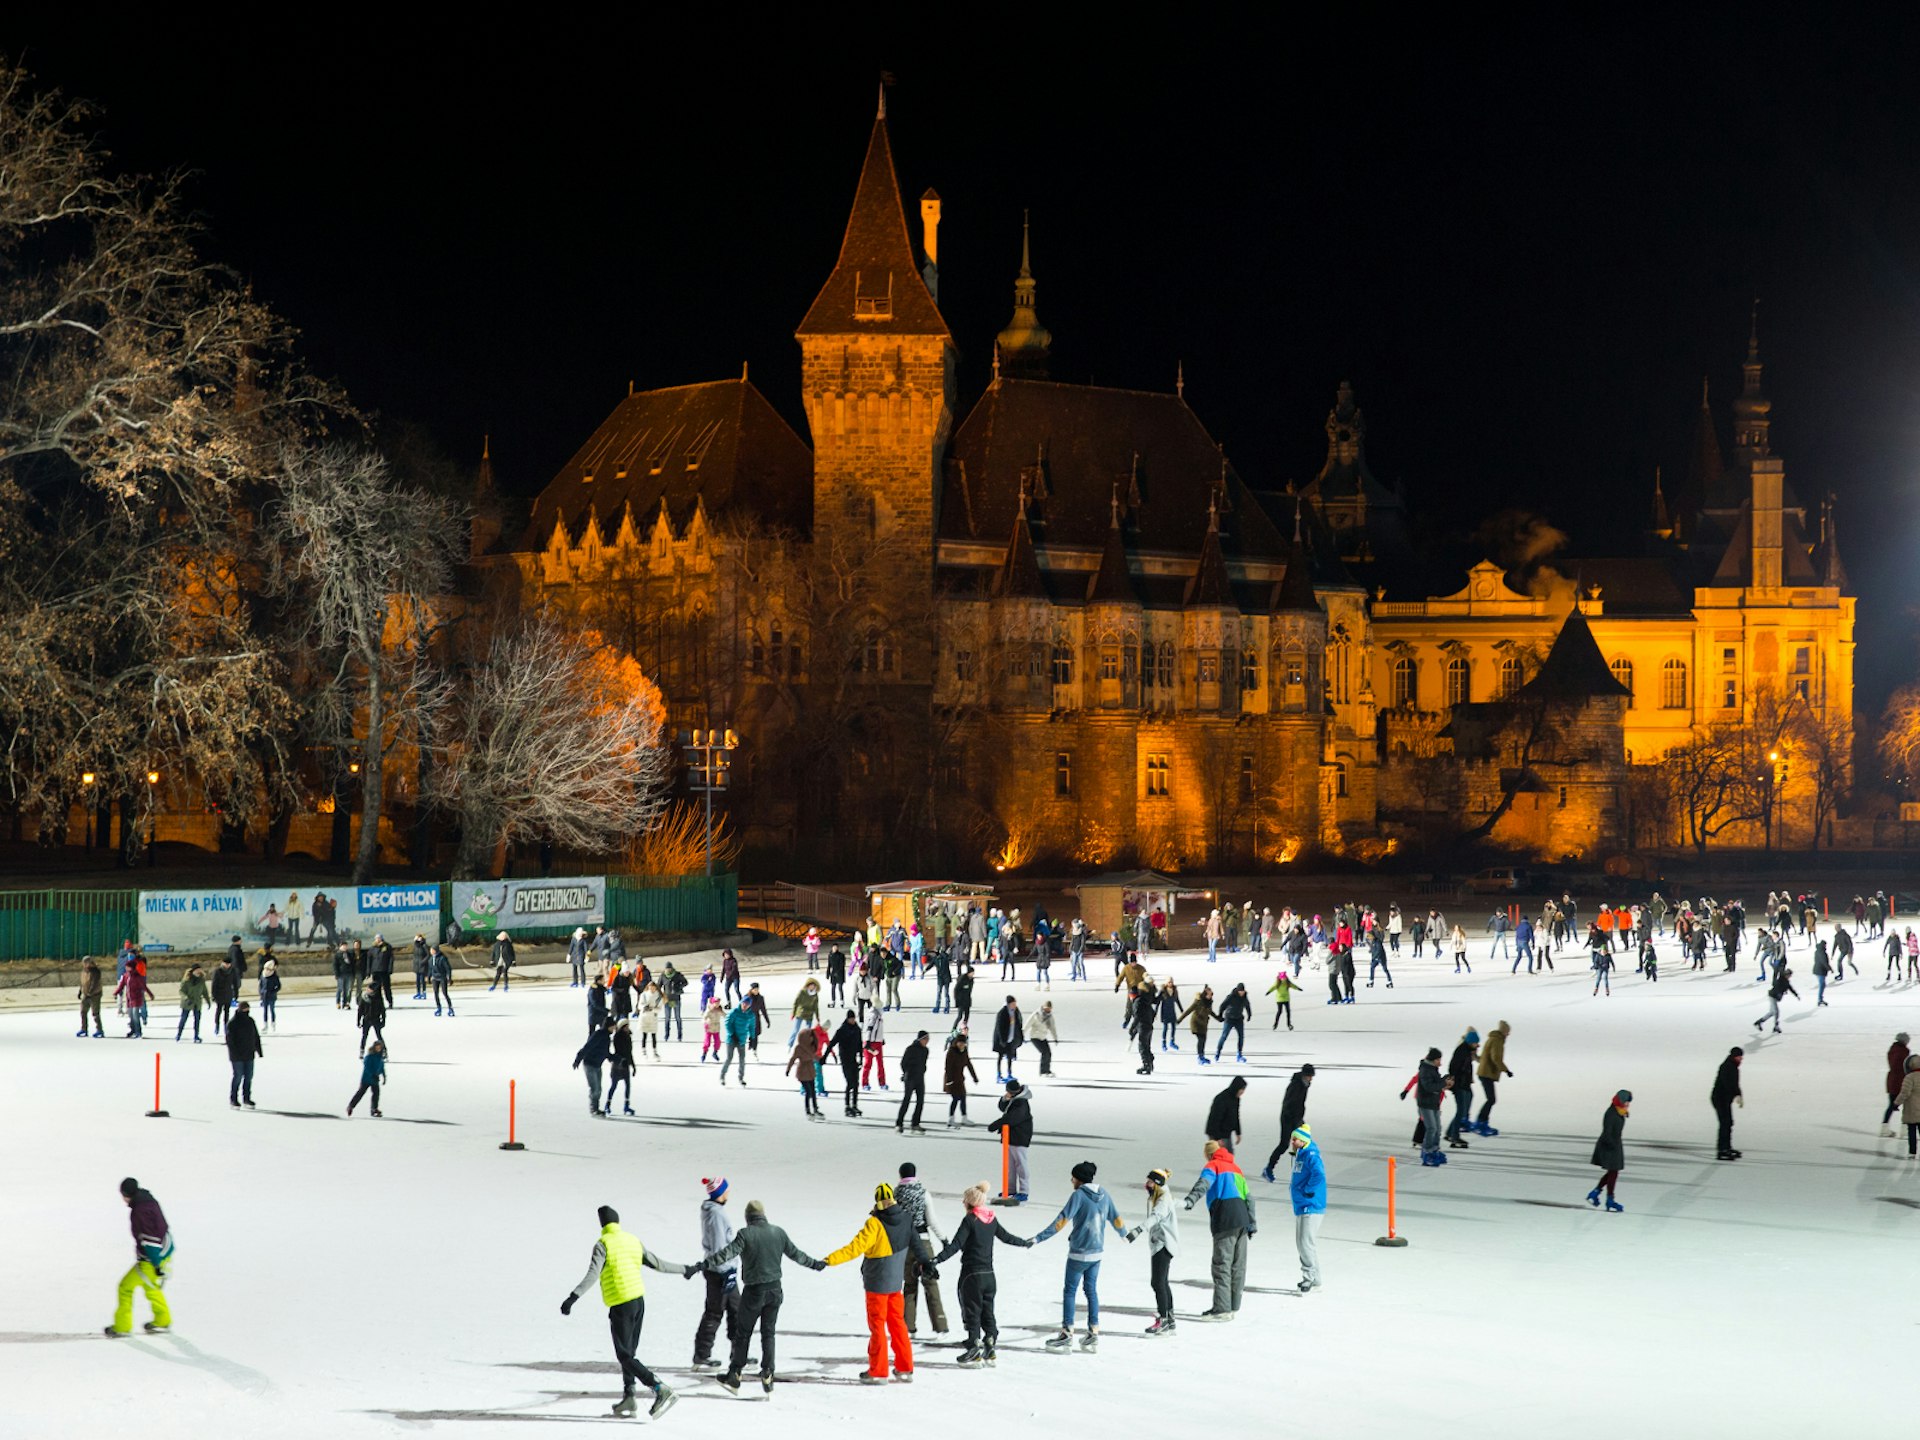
(86,799)
(709,759)
(153,821)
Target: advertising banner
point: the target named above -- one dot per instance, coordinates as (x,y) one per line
(293,919)
(482,908)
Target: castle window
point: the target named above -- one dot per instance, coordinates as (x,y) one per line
(878,657)
(1623,672)
(1673,685)
(1293,666)
(1109,662)
(963,666)
(1246,777)
(1250,670)
(1063,774)
(1159,775)
(1163,666)
(777,650)
(1730,694)
(1457,681)
(1404,695)
(1210,669)
(756,654)
(1338,656)
(1062,663)
(1729,660)
(1340,778)
(1509,677)
(1803,661)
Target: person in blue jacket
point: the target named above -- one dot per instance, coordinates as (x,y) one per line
(741,1031)
(1087,1213)
(1309,1189)
(373,1069)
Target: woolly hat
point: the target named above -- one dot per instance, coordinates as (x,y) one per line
(1433,1052)
(882,1195)
(1159,1177)
(1306,1069)
(908,1170)
(755,1210)
(1623,1097)
(129,1186)
(716,1186)
(1472,1037)
(1085,1171)
(609,1215)
(1303,1133)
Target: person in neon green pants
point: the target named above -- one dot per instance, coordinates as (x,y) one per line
(153,1252)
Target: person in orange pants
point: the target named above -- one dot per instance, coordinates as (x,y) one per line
(881,1247)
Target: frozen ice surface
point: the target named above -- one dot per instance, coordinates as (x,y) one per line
(359,1277)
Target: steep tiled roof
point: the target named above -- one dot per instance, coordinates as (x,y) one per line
(1083,440)
(1574,668)
(720,444)
(1019,577)
(876,285)
(1112,584)
(1736,561)
(1632,585)
(1295,590)
(1210,587)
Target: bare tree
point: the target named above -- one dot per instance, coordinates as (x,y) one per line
(144,399)
(1900,732)
(1821,746)
(550,733)
(364,565)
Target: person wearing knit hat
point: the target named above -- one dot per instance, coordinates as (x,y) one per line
(1085,1217)
(1610,1151)
(881,1246)
(755,1251)
(1724,1096)
(723,1283)
(1431,1087)
(1492,1068)
(1309,1193)
(617,1262)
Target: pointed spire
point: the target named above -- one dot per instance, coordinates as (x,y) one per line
(1662,521)
(1112,584)
(1294,594)
(1025,343)
(1180,379)
(1211,587)
(1019,577)
(876,285)
(1752,412)
(1574,668)
(1826,555)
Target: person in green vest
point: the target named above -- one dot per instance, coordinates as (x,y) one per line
(618,1259)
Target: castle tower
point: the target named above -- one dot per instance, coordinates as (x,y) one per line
(1753,411)
(878,381)
(1022,348)
(485,526)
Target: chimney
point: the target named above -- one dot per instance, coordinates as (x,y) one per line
(930,242)
(1769,482)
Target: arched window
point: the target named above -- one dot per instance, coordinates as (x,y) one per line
(1673,685)
(1340,777)
(1293,665)
(1509,677)
(1163,666)
(1405,695)
(1338,655)
(1623,672)
(777,649)
(878,659)
(1457,687)
(756,654)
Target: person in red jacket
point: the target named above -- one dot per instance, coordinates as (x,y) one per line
(1896,1072)
(133,985)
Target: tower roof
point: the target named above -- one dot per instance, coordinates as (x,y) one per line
(1019,577)
(1826,554)
(1295,590)
(1211,587)
(1574,669)
(1021,349)
(876,285)
(1112,583)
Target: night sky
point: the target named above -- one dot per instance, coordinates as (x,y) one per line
(1524,246)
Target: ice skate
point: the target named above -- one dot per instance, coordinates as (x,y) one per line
(663,1399)
(627,1406)
(1061,1342)
(1090,1342)
(1614,1207)
(1593,1197)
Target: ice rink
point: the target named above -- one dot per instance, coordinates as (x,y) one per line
(341,1277)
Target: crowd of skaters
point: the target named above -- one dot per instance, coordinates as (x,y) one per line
(627,1001)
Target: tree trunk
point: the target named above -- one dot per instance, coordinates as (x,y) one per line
(373,772)
(475,857)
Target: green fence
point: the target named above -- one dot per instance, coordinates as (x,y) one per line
(66,924)
(673,902)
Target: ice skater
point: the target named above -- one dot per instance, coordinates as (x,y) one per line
(1086,1216)
(620,1070)
(1460,1068)
(1896,1076)
(881,1245)
(1725,1095)
(616,1263)
(1231,1219)
(193,999)
(590,1057)
(958,1068)
(758,1247)
(911,1196)
(1609,1151)
(1233,1021)
(373,1069)
(1016,1119)
(502,962)
(1282,991)
(152,1261)
(1293,1114)
(973,1241)
(1308,1192)
(440,970)
(1491,1070)
(846,1046)
(1782,985)
(1163,1243)
(371,1014)
(243,1048)
(1908,1099)
(802,1063)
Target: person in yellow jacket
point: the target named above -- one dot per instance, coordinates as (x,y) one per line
(1492,1069)
(881,1248)
(618,1259)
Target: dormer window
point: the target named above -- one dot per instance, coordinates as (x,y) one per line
(875,303)
(698,449)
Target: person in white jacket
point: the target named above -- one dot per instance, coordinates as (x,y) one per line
(1044,1031)
(723,1282)
(1163,1243)
(874,1050)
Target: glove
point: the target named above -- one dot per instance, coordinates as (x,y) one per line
(732,1282)
(687,1271)
(1741,1101)
(566,1305)
(1188,1205)
(576,1064)
(1252,1231)
(819,1265)
(1133,1234)
(931,1272)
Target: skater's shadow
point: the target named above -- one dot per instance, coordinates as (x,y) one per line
(1900,1200)
(687,1122)
(561,1367)
(304,1114)
(1208,1285)
(176,1351)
